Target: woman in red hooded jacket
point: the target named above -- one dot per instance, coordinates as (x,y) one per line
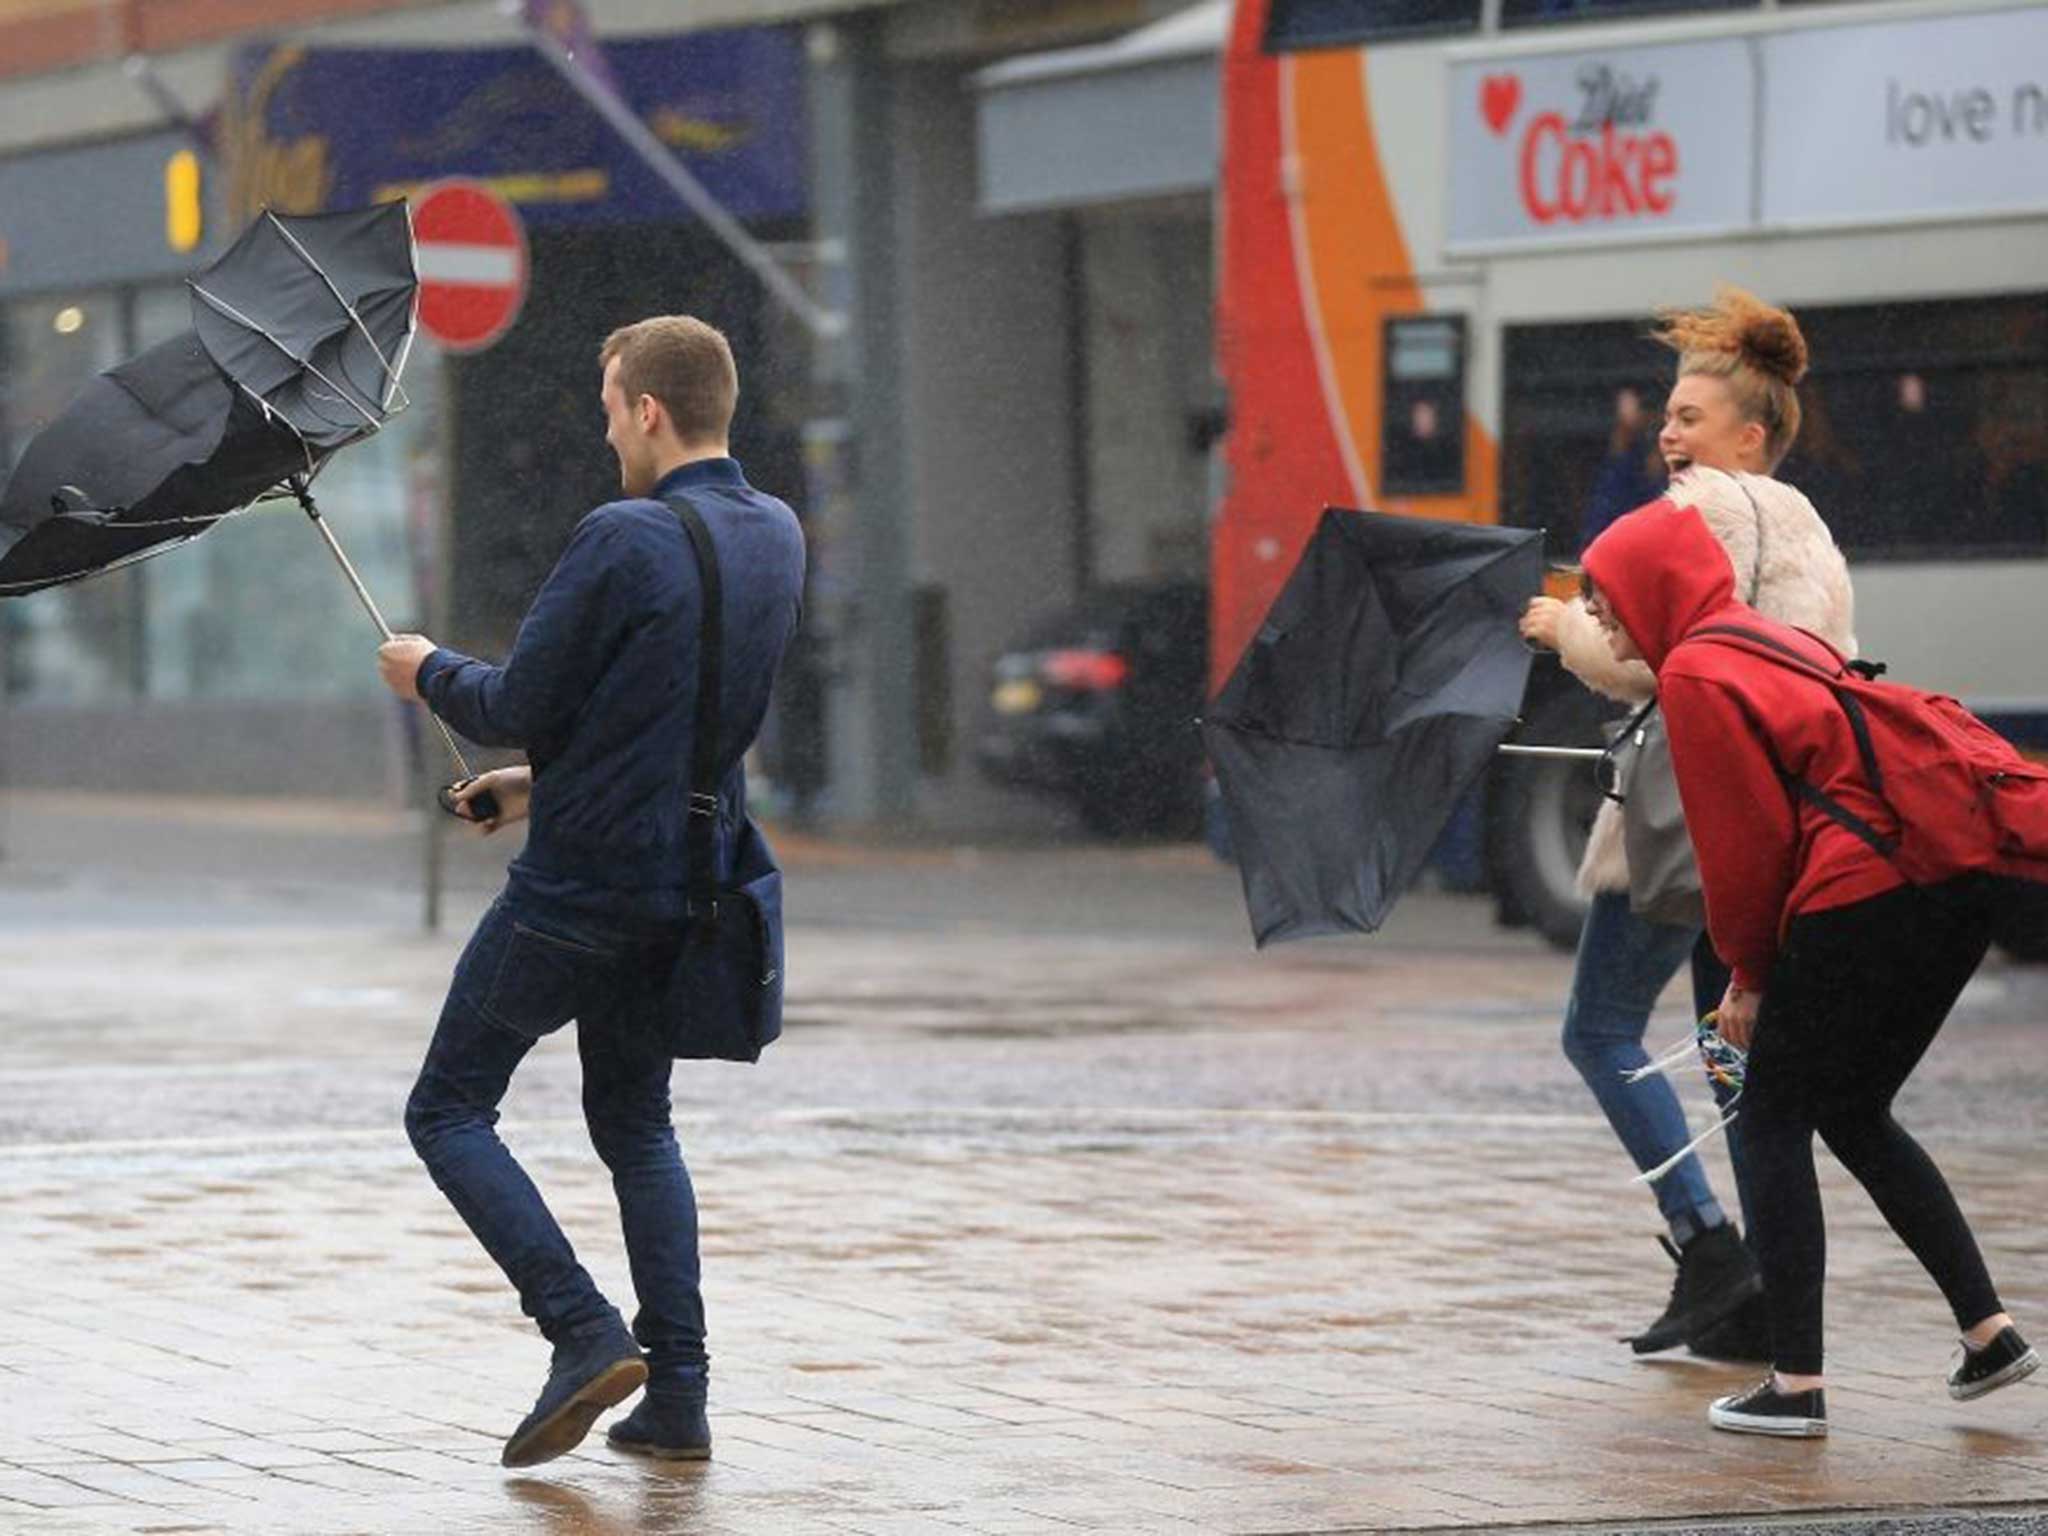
(1842,971)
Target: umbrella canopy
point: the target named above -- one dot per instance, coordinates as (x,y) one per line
(314,314)
(150,454)
(287,361)
(1371,699)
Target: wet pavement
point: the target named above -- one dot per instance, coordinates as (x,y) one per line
(1057,1208)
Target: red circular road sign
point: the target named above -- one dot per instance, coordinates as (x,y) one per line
(471,249)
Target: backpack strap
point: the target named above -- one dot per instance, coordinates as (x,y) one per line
(1777,651)
(700,821)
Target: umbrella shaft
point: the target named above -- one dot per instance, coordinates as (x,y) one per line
(1570,754)
(461,763)
(370,606)
(334,548)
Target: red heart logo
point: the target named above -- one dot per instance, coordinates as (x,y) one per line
(1499,96)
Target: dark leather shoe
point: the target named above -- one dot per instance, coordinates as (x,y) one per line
(588,1375)
(672,1428)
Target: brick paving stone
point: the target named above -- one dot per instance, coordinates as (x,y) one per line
(1380,1288)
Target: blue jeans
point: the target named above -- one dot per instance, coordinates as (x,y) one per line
(1624,963)
(526,972)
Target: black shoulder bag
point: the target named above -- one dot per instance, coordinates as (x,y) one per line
(724,996)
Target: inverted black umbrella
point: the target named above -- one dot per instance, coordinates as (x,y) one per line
(150,454)
(301,331)
(313,315)
(1373,696)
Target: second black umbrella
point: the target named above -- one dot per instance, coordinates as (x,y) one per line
(1371,699)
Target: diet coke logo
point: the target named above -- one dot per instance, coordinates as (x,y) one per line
(1608,161)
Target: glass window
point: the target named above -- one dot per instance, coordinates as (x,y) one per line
(1530,13)
(1925,428)
(1924,431)
(1579,446)
(1422,438)
(80,642)
(1293,24)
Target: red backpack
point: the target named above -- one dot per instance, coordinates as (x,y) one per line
(1965,801)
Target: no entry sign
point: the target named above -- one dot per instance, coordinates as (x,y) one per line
(471,249)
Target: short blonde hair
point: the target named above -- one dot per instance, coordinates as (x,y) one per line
(684,364)
(1755,348)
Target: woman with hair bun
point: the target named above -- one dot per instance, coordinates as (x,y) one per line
(1730,419)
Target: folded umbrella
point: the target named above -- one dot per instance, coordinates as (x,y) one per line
(1372,698)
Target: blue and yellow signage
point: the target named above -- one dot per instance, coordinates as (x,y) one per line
(312,128)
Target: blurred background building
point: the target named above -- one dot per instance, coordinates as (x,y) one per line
(1434,231)
(951,452)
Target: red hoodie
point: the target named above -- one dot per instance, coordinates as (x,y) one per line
(1732,717)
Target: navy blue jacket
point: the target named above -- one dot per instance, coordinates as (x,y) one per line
(601,688)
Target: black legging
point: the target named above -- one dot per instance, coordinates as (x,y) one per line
(1856,997)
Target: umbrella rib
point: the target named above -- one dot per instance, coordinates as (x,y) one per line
(11,588)
(269,413)
(1325,746)
(306,363)
(390,375)
(111,525)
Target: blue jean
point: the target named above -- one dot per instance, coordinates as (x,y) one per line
(526,972)
(1624,963)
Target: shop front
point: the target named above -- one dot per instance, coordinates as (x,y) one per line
(242,663)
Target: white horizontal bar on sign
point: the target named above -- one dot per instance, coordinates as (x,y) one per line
(481,266)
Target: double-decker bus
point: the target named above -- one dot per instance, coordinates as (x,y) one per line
(1444,229)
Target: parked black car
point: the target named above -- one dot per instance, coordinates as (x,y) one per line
(1098,704)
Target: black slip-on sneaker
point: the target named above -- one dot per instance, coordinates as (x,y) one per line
(2004,1360)
(588,1376)
(1764,1410)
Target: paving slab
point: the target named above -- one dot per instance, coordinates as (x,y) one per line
(1044,1231)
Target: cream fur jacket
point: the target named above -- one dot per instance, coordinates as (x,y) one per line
(1801,579)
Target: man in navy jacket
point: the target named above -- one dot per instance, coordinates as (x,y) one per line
(600,690)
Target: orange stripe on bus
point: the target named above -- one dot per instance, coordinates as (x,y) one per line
(1362,270)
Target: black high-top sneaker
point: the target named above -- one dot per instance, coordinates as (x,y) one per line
(1716,1274)
(1743,1336)
(2005,1359)
(1764,1410)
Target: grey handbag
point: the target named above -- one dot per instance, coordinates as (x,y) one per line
(1663,873)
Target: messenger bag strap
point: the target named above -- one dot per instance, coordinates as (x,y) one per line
(700,821)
